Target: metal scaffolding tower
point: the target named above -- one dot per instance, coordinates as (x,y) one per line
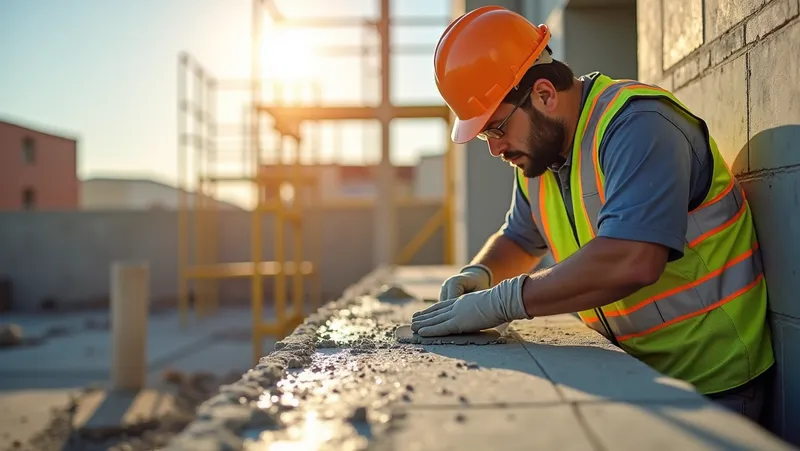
(199,266)
(199,238)
(385,209)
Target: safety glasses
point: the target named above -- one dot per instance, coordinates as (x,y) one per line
(497,132)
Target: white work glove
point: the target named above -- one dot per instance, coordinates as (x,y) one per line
(471,278)
(473,312)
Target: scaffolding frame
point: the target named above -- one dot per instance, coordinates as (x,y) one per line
(198,264)
(385,112)
(198,230)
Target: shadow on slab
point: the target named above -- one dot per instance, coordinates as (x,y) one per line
(594,375)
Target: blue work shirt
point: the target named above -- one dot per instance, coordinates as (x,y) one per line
(657,166)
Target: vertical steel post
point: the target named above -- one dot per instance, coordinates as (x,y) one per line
(385,227)
(212,230)
(198,138)
(183,254)
(257,288)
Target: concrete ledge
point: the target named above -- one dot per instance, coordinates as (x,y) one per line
(340,381)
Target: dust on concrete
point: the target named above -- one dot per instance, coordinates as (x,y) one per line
(347,400)
(365,323)
(255,401)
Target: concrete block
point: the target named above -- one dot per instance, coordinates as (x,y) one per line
(775,100)
(727,45)
(720,98)
(674,425)
(683,29)
(584,369)
(722,15)
(786,415)
(774,200)
(648,30)
(551,427)
(773,16)
(687,71)
(704,60)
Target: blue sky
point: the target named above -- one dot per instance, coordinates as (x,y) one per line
(104,71)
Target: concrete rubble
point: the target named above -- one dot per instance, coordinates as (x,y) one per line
(341,381)
(95,419)
(10,335)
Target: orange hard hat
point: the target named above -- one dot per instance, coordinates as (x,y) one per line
(479,59)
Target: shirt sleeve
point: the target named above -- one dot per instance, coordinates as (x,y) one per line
(646,159)
(519,226)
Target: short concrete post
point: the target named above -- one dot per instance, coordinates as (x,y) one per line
(130,296)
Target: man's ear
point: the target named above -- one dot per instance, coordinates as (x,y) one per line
(544,96)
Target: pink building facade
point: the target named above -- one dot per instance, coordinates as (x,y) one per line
(38,171)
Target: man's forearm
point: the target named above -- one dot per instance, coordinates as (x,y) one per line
(505,258)
(602,272)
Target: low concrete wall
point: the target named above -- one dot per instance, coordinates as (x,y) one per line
(65,256)
(736,64)
(342,381)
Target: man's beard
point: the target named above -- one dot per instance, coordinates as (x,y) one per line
(544,145)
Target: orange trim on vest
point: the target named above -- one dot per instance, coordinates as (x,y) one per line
(722,301)
(693,284)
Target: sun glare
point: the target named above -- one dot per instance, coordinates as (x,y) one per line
(287,54)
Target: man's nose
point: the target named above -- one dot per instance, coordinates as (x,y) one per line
(497,146)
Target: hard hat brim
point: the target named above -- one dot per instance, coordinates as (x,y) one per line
(465,131)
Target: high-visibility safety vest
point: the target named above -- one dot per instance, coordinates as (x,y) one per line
(703,321)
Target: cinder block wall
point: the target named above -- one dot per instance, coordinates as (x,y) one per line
(737,64)
(65,256)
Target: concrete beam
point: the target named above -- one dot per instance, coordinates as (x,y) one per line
(312,113)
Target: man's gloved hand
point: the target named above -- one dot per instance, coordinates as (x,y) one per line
(471,278)
(473,312)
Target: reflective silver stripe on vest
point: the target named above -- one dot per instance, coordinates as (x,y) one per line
(706,295)
(591,198)
(597,326)
(709,218)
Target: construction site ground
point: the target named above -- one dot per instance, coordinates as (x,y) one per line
(341,381)
(55,386)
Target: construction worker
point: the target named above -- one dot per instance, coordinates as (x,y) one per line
(653,240)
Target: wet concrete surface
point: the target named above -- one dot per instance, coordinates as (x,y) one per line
(340,381)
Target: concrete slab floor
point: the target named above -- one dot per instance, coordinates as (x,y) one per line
(38,382)
(341,382)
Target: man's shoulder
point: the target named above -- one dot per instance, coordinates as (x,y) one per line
(647,120)
(638,105)
(649,117)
